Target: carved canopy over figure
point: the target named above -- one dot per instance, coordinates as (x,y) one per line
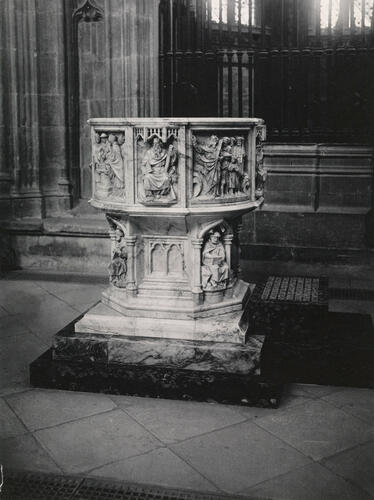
(159,171)
(214,270)
(118,265)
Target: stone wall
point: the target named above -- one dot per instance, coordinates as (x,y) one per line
(317,196)
(317,208)
(61,64)
(57,70)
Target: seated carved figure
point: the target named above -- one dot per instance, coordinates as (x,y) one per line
(214,270)
(158,171)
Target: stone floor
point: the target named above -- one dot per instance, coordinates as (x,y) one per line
(318,445)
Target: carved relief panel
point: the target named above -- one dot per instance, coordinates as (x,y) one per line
(109,165)
(219,167)
(176,164)
(156,152)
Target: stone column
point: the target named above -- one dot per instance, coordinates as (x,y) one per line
(141,55)
(53,102)
(227,239)
(130,279)
(6,176)
(238,228)
(115,58)
(22,111)
(129,48)
(33,172)
(196,269)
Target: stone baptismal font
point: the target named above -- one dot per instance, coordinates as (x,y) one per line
(171,321)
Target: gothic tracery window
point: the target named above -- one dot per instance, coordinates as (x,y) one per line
(237,11)
(346,14)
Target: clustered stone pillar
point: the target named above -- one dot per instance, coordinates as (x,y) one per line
(33,178)
(20,108)
(42,61)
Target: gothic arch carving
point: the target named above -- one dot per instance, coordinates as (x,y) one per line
(88,12)
(211,225)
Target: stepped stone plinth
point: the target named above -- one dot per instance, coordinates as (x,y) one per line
(174,192)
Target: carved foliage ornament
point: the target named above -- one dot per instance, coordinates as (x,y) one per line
(88,12)
(219,167)
(108,159)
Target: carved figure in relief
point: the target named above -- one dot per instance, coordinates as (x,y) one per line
(236,170)
(109,165)
(207,169)
(215,270)
(159,171)
(118,265)
(261,173)
(225,158)
(219,167)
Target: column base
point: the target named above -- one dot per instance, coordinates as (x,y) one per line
(103,320)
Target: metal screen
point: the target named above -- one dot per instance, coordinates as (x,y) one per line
(305,66)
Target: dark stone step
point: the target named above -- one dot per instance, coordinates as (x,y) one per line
(339,351)
(155,382)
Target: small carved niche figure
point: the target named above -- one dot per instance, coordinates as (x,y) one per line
(236,169)
(225,158)
(118,265)
(261,172)
(214,270)
(159,172)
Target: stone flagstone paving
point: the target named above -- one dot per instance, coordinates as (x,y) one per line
(318,445)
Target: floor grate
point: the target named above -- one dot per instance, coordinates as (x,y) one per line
(38,486)
(351,294)
(30,486)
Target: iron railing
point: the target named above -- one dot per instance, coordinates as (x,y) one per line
(305,66)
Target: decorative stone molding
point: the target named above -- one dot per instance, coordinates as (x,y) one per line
(88,12)
(323,178)
(164,258)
